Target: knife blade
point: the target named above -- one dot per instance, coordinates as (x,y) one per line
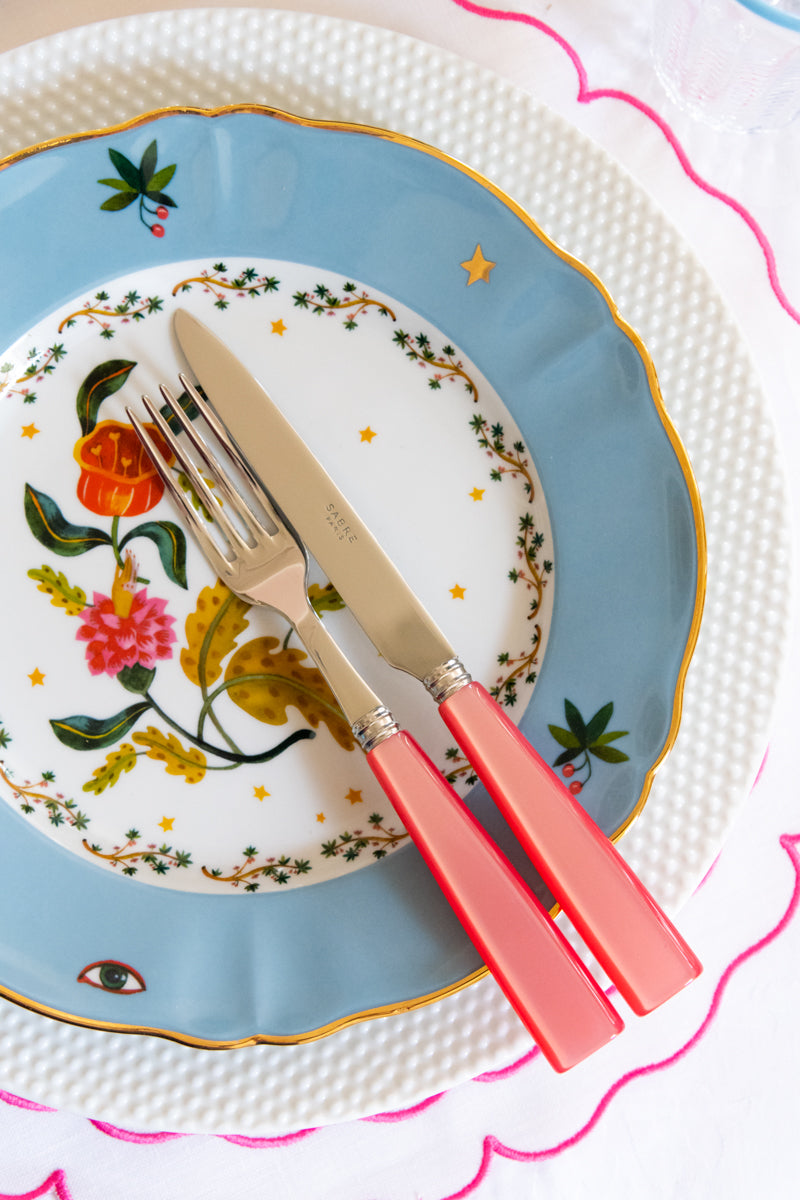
(631,937)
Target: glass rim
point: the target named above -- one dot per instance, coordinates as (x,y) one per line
(775,15)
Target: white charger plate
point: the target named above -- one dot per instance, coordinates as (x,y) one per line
(320,67)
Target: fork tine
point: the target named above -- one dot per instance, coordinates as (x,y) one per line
(202,490)
(213,552)
(256,489)
(226,488)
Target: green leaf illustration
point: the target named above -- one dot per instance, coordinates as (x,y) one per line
(121,200)
(161,198)
(170,541)
(565,737)
(598,723)
(324,599)
(148,165)
(100,383)
(137,678)
(95,733)
(49,526)
(161,178)
(119,184)
(187,404)
(583,738)
(608,754)
(127,170)
(567,756)
(575,721)
(142,183)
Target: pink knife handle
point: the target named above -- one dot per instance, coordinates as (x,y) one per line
(544,980)
(633,940)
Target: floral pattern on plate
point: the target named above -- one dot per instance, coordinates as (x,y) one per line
(189,740)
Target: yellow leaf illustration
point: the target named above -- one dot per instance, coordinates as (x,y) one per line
(324,599)
(62,594)
(273,679)
(119,760)
(165,747)
(186,486)
(211,632)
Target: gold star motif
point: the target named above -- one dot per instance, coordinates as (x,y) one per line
(320,817)
(36,677)
(457,592)
(354,796)
(30,431)
(477,493)
(166,823)
(260,792)
(478,267)
(278,327)
(367,434)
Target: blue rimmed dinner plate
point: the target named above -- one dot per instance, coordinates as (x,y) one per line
(267,224)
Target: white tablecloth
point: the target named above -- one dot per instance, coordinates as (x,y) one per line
(701,1099)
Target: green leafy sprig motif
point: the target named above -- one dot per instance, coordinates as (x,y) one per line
(217,281)
(584,739)
(510,462)
(280,869)
(130,855)
(60,809)
(101,311)
(445,365)
(39,364)
(381,840)
(322,301)
(143,183)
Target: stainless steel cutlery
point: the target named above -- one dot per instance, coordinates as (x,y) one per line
(259,557)
(631,937)
(282,501)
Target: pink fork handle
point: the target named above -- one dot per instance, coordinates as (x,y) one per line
(633,940)
(544,980)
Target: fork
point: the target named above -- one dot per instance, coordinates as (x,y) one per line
(261,559)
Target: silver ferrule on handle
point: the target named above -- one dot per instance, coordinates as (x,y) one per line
(446,680)
(374,727)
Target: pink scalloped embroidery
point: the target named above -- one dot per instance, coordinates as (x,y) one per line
(264,1143)
(18,1102)
(493,1147)
(587,95)
(155,1139)
(128,1135)
(404,1114)
(55,1184)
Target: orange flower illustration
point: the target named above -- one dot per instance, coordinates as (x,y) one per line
(117,477)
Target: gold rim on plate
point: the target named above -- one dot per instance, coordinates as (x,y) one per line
(406,1006)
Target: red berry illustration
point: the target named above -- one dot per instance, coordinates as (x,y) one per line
(582,740)
(144,184)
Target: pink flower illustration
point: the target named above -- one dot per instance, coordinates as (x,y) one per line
(127,627)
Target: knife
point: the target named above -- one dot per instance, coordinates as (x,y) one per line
(631,937)
(260,558)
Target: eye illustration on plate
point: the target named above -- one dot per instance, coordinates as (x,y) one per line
(113,976)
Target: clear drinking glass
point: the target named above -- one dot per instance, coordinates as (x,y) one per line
(735,64)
